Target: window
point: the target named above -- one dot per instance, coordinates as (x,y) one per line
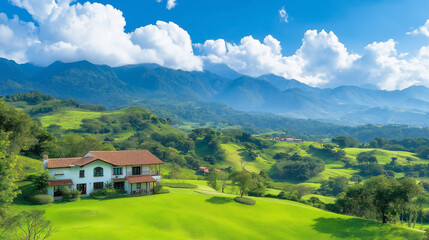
(58,191)
(59,173)
(139,186)
(119,185)
(136,170)
(82,173)
(98,185)
(117,171)
(98,172)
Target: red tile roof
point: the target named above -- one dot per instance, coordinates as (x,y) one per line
(140,179)
(61,162)
(116,158)
(61,182)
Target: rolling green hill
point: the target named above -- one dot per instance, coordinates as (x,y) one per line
(205,214)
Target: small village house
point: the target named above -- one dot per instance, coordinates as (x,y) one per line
(133,171)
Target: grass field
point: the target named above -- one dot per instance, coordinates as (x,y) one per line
(68,119)
(234,158)
(204,214)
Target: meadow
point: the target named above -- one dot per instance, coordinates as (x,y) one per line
(205,214)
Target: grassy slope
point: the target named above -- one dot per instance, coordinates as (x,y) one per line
(205,214)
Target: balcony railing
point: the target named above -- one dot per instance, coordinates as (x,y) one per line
(146,173)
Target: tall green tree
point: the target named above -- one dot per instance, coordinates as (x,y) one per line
(212,179)
(244,181)
(8,189)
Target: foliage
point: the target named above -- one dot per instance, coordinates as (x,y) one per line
(7,173)
(158,188)
(29,225)
(244,181)
(72,145)
(71,195)
(294,192)
(345,142)
(212,179)
(41,181)
(334,186)
(41,199)
(380,195)
(245,200)
(223,179)
(296,167)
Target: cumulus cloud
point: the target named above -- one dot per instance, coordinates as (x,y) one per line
(67,31)
(94,32)
(316,62)
(283,15)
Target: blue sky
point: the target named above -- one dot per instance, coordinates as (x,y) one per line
(354,25)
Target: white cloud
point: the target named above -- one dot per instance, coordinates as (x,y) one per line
(283,15)
(424,30)
(93,32)
(316,62)
(170,4)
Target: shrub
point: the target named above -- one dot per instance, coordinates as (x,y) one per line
(157,188)
(245,200)
(180,185)
(71,195)
(42,199)
(164,191)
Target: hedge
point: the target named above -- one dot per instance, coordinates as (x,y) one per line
(245,200)
(42,199)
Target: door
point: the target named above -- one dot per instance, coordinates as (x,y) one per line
(82,188)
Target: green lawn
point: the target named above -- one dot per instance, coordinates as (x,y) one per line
(385,156)
(68,119)
(205,214)
(235,157)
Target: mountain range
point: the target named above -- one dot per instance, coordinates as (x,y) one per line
(267,94)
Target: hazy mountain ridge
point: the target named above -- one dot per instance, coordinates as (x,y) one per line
(121,86)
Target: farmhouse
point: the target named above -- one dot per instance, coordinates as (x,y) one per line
(134,171)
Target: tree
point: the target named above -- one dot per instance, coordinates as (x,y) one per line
(223,179)
(41,181)
(7,173)
(420,201)
(244,181)
(345,142)
(334,186)
(212,179)
(30,225)
(380,195)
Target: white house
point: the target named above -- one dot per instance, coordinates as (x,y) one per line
(135,171)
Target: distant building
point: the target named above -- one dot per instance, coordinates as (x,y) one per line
(292,140)
(205,170)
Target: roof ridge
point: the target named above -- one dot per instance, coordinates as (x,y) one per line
(123,150)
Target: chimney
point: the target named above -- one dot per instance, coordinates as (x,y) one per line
(45,161)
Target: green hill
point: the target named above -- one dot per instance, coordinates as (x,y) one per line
(205,214)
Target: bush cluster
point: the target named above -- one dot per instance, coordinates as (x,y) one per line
(245,200)
(41,199)
(71,195)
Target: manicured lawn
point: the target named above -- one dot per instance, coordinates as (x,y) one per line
(205,214)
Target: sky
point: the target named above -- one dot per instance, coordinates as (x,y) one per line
(324,43)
